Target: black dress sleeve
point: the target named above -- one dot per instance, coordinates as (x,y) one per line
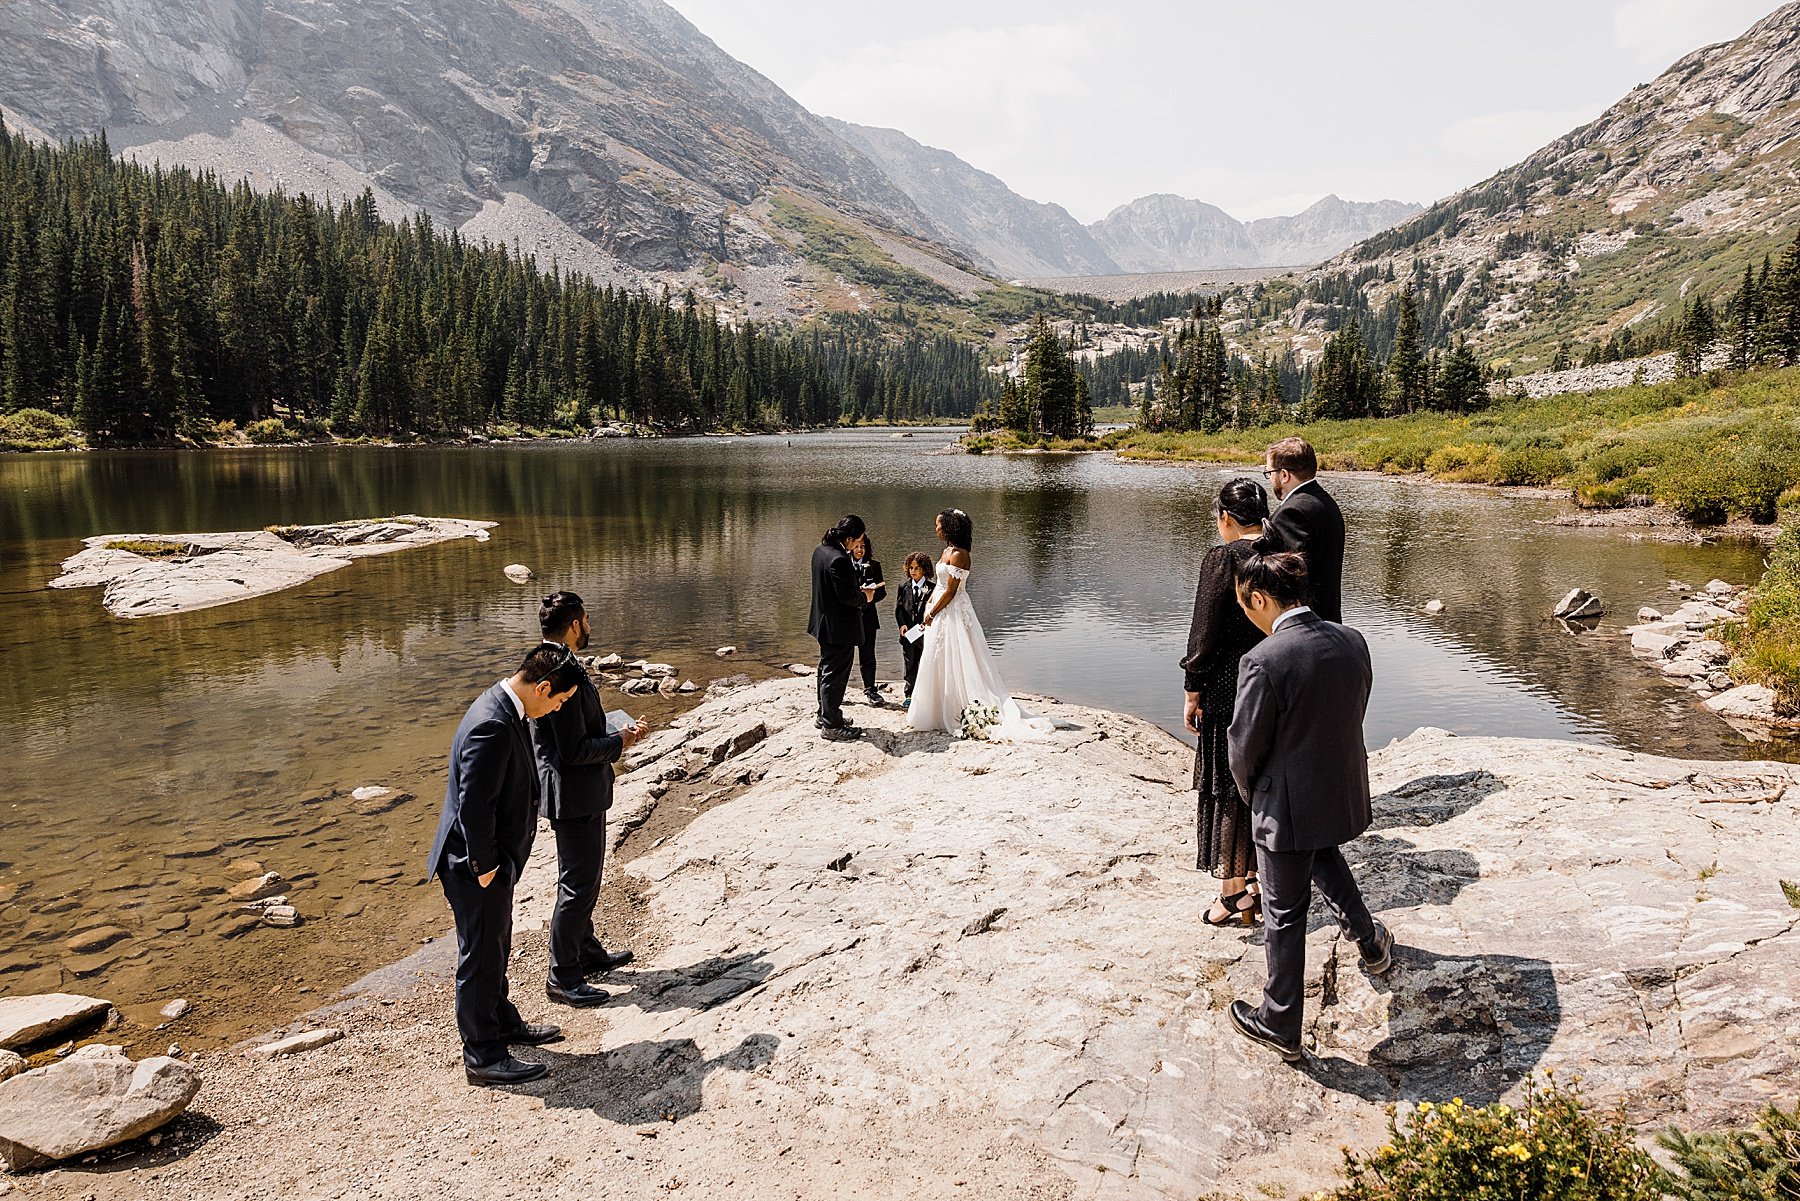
(1216,590)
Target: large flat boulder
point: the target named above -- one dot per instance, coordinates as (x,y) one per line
(219,568)
(96,1098)
(916,921)
(27,1020)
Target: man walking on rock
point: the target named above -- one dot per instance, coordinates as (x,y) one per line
(484,837)
(575,757)
(1297,754)
(1307,520)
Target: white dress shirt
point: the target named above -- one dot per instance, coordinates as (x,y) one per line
(1296,611)
(518,702)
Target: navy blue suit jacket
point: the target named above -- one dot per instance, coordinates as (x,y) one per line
(491,803)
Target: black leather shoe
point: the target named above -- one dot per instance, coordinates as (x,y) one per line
(1251,1027)
(1377,953)
(533,1035)
(875,699)
(844,733)
(606,961)
(584,996)
(507,1071)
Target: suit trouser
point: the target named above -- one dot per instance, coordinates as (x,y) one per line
(834,677)
(1287,879)
(910,654)
(865,657)
(580,855)
(485,1017)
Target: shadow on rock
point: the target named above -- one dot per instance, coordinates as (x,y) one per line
(1430,800)
(699,986)
(641,1082)
(186,1134)
(1458,1026)
(1396,874)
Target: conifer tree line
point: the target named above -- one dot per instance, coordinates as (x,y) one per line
(1050,397)
(147,304)
(1205,386)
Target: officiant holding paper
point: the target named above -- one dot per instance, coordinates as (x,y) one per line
(575,756)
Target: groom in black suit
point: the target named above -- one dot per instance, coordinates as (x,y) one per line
(1308,521)
(484,837)
(1297,754)
(575,756)
(837,622)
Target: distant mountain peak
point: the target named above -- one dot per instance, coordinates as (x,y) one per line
(1165,232)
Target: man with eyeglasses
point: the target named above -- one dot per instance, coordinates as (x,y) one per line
(575,757)
(1306,520)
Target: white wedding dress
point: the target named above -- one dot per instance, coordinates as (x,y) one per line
(956,669)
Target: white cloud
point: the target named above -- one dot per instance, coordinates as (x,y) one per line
(1657,32)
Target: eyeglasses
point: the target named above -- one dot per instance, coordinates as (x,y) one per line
(1269,472)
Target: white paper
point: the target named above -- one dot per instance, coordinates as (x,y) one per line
(914,633)
(618,719)
(877,584)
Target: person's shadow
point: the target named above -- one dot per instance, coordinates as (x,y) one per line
(1468,1026)
(641,1082)
(698,986)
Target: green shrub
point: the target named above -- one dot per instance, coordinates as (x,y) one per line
(1698,488)
(1466,463)
(270,431)
(1552,1148)
(37,429)
(1759,1164)
(1531,465)
(1768,643)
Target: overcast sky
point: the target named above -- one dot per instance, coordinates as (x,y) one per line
(1259,107)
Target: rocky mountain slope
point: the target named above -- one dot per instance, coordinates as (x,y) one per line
(1020,238)
(1666,195)
(609,132)
(1172,233)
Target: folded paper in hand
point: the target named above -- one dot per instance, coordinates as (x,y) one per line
(618,719)
(914,633)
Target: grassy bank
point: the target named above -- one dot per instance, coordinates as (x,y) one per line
(1711,449)
(1766,648)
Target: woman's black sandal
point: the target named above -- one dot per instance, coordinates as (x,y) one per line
(1235,912)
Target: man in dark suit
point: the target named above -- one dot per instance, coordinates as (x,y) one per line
(868,571)
(1307,520)
(575,757)
(837,622)
(1297,754)
(483,839)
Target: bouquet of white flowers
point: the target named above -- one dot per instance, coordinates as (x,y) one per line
(977,718)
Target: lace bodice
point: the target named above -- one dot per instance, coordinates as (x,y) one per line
(959,573)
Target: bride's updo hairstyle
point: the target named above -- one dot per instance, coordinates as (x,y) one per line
(1244,501)
(959,531)
(1280,576)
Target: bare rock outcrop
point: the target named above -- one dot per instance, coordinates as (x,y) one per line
(153,575)
(915,921)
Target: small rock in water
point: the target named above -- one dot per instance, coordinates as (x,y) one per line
(658,670)
(725,652)
(1679,586)
(97,939)
(688,686)
(175,1009)
(371,792)
(245,867)
(1648,614)
(1579,605)
(1434,606)
(613,660)
(265,885)
(281,915)
(1720,588)
(802,669)
(518,573)
(26,1020)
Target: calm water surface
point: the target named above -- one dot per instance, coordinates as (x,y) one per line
(150,764)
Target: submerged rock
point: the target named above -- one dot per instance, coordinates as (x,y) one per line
(518,573)
(94,1099)
(1579,605)
(27,1020)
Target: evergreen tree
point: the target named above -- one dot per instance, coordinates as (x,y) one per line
(1460,386)
(1407,381)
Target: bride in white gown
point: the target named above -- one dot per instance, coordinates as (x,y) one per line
(956,668)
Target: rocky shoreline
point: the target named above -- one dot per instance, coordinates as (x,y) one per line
(921,963)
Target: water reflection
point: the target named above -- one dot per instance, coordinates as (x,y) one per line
(148,758)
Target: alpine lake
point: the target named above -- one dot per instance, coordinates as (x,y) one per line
(151,764)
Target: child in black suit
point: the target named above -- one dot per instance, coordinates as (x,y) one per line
(868,571)
(909,611)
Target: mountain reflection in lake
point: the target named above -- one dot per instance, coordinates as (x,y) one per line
(151,764)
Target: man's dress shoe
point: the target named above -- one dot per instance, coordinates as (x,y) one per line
(1378,953)
(606,961)
(583,996)
(507,1071)
(1251,1026)
(533,1035)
